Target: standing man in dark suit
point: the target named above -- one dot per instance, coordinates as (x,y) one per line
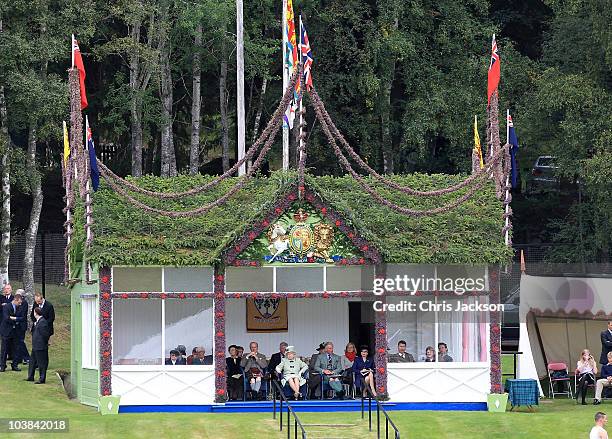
(47,310)
(40,348)
(22,327)
(8,332)
(6,298)
(606,344)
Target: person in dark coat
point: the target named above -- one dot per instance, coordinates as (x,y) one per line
(48,312)
(276,358)
(22,327)
(40,348)
(235,382)
(5,298)
(8,332)
(314,377)
(363,366)
(606,344)
(176,359)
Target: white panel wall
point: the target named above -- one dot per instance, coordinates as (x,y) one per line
(311,321)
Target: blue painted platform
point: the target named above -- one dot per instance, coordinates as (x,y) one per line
(301,406)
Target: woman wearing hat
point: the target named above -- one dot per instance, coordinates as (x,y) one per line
(292,369)
(363,366)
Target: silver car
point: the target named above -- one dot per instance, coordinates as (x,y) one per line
(544,174)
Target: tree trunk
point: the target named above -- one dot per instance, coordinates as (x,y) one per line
(5,222)
(224,102)
(136,104)
(37,201)
(264,84)
(168,158)
(194,149)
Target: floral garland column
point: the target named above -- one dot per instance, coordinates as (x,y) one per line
(381,354)
(495,331)
(219,308)
(106,327)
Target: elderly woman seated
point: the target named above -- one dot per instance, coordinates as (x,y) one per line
(292,368)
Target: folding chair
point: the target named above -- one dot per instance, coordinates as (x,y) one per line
(560,377)
(303,388)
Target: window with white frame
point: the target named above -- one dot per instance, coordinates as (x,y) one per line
(89,325)
(452,329)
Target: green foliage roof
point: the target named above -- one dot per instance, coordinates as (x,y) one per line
(126,235)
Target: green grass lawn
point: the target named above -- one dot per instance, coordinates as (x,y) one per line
(20,399)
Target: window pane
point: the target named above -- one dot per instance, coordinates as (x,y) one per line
(136,279)
(464,331)
(298,279)
(416,328)
(89,325)
(189,322)
(188,279)
(352,278)
(136,331)
(248,279)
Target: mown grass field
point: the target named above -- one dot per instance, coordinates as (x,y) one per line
(20,399)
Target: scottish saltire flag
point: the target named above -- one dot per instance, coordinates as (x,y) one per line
(77,61)
(306,56)
(291,61)
(514,147)
(477,146)
(93,163)
(494,71)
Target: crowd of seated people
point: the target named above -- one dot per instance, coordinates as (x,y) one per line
(324,374)
(178,357)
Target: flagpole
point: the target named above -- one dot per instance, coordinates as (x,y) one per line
(240,84)
(87,199)
(68,188)
(285,84)
(301,147)
(507,237)
(72,50)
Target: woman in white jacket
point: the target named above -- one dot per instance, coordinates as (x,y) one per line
(292,369)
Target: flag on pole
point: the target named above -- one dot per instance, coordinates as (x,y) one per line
(66,145)
(291,61)
(93,163)
(77,61)
(477,146)
(306,56)
(514,147)
(494,71)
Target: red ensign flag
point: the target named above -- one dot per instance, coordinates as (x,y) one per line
(494,71)
(77,61)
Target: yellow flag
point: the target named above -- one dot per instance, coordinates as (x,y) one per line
(477,147)
(66,144)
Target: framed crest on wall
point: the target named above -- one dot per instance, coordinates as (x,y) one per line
(266,314)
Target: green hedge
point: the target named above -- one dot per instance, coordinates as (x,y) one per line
(128,236)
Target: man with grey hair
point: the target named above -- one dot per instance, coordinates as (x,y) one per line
(276,358)
(329,365)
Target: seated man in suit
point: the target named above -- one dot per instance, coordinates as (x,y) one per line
(201,357)
(605,381)
(443,353)
(330,366)
(276,358)
(314,377)
(40,348)
(402,356)
(175,358)
(8,332)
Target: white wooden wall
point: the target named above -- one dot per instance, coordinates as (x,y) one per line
(311,321)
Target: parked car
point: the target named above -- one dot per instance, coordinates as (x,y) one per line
(543,174)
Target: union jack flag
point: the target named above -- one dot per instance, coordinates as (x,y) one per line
(306,57)
(494,71)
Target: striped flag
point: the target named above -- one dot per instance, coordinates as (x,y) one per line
(477,147)
(306,56)
(93,163)
(291,61)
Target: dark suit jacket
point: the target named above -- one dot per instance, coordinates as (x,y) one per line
(275,360)
(179,361)
(48,313)
(232,366)
(606,346)
(8,327)
(358,365)
(208,359)
(22,314)
(40,335)
(3,300)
